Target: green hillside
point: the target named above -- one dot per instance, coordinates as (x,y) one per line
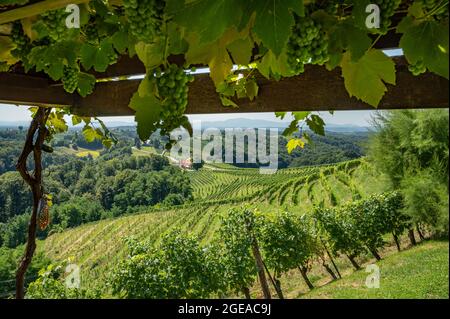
(420,272)
(97,247)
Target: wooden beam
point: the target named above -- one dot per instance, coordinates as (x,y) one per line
(35,9)
(317,90)
(30,90)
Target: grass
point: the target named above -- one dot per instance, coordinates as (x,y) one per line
(80,152)
(420,272)
(144,151)
(86,153)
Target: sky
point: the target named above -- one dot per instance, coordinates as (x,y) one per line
(12,113)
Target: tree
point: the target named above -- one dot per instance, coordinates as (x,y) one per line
(287,244)
(411,148)
(243,259)
(177,268)
(342,234)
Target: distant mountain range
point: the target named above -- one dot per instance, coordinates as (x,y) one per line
(231,123)
(251,123)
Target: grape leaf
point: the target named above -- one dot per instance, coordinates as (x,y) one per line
(91,134)
(148,108)
(176,42)
(86,83)
(96,56)
(299,116)
(76,120)
(6,45)
(27,25)
(274,20)
(345,36)
(294,143)
(122,41)
(208,18)
(316,124)
(291,129)
(281,115)
(227,102)
(241,50)
(273,66)
(427,42)
(150,54)
(56,122)
(214,54)
(251,89)
(52,59)
(364,78)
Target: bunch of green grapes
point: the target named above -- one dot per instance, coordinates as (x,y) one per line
(91,32)
(70,79)
(329,6)
(21,41)
(387,10)
(437,8)
(173,90)
(145,18)
(417,68)
(308,43)
(55,20)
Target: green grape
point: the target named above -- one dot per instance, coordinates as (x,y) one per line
(330,7)
(145,18)
(21,40)
(417,68)
(437,8)
(173,89)
(55,20)
(387,10)
(308,43)
(70,79)
(90,30)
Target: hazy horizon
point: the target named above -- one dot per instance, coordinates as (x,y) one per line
(12,113)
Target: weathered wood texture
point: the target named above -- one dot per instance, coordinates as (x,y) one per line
(317,89)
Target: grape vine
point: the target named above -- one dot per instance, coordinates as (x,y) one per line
(278,43)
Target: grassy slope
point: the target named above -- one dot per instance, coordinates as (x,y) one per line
(419,272)
(97,246)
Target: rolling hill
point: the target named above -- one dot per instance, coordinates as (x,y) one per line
(97,247)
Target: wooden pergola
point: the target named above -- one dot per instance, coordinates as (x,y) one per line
(315,90)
